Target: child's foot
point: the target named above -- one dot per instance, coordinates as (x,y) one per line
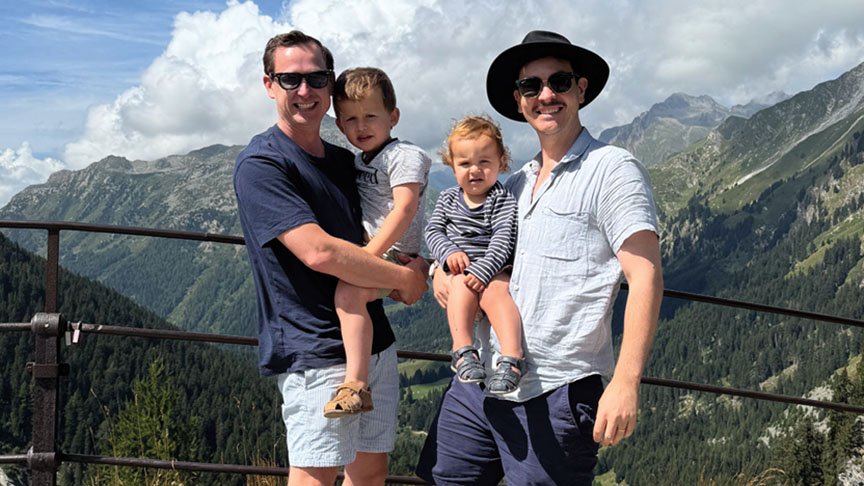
(506,378)
(465,362)
(351,398)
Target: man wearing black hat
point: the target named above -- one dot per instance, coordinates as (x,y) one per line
(586,219)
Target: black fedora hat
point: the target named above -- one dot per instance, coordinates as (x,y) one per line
(500,81)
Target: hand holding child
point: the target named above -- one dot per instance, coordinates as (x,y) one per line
(458,262)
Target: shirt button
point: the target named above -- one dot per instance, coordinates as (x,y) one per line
(515,286)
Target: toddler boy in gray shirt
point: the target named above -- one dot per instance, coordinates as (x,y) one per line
(391,180)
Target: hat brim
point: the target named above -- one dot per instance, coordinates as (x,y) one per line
(502,75)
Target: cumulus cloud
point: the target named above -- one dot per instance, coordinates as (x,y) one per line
(19,168)
(206,87)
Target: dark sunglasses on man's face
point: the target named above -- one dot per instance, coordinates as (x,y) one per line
(559,82)
(291,81)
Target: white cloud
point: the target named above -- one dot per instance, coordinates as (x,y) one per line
(206,87)
(19,168)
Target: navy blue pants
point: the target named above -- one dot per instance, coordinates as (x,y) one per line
(477,440)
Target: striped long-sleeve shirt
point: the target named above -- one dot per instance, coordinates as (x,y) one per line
(487,233)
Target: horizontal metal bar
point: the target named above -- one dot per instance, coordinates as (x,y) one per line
(166,334)
(772,397)
(677,294)
(121,230)
(15,326)
(14,459)
(204,467)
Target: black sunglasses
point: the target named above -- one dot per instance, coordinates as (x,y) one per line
(559,82)
(291,81)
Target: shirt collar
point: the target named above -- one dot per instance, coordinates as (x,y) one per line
(368,157)
(577,150)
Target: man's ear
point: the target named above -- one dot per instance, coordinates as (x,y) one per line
(268,85)
(518,99)
(394,117)
(583,88)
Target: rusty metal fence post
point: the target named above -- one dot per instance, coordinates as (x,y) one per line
(44,455)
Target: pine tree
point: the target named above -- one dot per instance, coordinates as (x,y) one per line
(149,427)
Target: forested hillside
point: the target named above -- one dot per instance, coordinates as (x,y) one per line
(234,414)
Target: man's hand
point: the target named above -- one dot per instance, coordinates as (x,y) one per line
(441,286)
(417,285)
(616,413)
(474,283)
(457,262)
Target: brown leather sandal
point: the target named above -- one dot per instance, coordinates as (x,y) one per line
(350,399)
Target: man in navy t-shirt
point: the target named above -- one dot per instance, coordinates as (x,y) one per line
(300,214)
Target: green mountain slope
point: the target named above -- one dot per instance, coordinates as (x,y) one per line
(196,286)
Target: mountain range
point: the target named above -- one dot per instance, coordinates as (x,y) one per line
(669,127)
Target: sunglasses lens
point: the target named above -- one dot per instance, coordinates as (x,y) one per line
(289,81)
(561,82)
(317,80)
(529,87)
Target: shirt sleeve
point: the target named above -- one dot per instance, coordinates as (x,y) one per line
(408,166)
(439,244)
(503,240)
(626,203)
(269,199)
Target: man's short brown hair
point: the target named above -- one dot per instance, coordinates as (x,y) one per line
(358,83)
(291,39)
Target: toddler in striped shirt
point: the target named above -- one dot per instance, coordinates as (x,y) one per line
(472,234)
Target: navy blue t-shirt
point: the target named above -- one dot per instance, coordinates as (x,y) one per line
(279,186)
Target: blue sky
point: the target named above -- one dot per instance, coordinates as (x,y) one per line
(84,79)
(62,56)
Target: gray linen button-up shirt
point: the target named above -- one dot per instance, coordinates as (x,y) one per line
(566,274)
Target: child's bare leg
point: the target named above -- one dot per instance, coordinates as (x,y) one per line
(503,315)
(461,308)
(356,330)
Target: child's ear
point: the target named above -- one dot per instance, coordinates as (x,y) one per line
(394,117)
(339,124)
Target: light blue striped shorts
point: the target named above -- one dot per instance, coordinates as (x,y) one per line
(315,441)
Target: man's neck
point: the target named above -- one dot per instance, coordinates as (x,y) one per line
(555,146)
(309,140)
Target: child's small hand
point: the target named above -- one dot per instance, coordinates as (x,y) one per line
(474,283)
(458,262)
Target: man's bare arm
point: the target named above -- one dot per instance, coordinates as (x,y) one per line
(346,261)
(640,260)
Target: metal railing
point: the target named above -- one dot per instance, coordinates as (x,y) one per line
(44,457)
